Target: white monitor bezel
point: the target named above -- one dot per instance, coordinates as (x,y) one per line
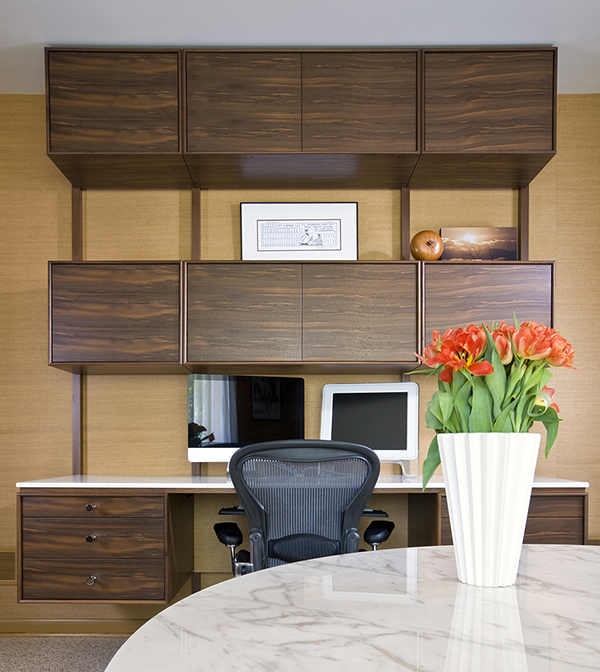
(412,410)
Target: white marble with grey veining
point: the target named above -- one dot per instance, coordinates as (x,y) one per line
(392,610)
(208,483)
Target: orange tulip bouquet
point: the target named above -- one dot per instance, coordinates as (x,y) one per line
(493,380)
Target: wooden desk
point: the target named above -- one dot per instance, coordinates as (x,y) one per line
(393,610)
(137,539)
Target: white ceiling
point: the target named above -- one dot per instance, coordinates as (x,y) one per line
(27,26)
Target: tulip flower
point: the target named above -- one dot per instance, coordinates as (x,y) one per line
(493,380)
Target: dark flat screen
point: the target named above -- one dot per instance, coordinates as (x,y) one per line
(374,419)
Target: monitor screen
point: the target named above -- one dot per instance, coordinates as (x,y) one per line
(228,412)
(382,416)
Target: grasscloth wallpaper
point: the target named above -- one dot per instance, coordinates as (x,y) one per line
(136,424)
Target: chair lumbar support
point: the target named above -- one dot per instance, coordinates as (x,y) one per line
(378,532)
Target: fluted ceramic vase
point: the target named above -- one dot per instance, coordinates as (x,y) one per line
(488,479)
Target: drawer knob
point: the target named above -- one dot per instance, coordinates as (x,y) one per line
(91,580)
(90,538)
(90,507)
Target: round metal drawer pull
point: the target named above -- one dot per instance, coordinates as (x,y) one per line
(90,538)
(90,580)
(90,507)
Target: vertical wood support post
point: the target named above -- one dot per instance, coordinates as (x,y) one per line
(405,224)
(76,401)
(524,223)
(196,256)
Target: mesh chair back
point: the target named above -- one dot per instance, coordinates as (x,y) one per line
(303,499)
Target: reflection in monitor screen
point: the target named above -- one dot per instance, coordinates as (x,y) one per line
(228,412)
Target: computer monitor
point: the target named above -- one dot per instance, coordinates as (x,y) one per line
(383,416)
(228,412)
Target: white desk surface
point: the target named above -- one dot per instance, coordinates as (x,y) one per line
(395,610)
(208,483)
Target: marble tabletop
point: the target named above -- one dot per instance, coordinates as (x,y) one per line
(398,609)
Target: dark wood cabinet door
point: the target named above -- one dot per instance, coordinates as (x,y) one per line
(243,312)
(243,102)
(114,312)
(363,312)
(359,102)
(113,101)
(458,294)
(489,100)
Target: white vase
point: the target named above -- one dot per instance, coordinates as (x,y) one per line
(488,479)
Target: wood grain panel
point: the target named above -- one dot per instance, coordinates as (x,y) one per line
(457,295)
(301,171)
(243,101)
(477,170)
(359,102)
(489,100)
(558,505)
(117,538)
(75,507)
(243,312)
(360,312)
(65,579)
(124,171)
(113,101)
(114,312)
(554,531)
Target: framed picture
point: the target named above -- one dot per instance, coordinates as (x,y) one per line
(299,231)
(480,243)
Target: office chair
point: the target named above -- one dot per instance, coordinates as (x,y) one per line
(303,499)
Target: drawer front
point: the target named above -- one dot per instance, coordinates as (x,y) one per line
(89,506)
(554,531)
(71,537)
(68,579)
(562,506)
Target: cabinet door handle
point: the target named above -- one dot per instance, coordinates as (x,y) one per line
(90,580)
(90,507)
(90,538)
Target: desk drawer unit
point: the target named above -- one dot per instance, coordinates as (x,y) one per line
(553,518)
(94,547)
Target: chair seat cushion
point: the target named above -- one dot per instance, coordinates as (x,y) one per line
(296,547)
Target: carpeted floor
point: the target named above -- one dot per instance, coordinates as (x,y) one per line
(57,654)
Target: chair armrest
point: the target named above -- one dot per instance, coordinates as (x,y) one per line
(229,534)
(378,532)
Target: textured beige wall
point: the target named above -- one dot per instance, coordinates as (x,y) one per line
(136,424)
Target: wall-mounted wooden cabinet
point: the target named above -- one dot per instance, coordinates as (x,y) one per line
(319,119)
(119,317)
(347,118)
(457,294)
(308,315)
(112,313)
(490,114)
(114,116)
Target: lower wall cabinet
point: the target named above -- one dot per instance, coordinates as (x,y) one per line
(360,316)
(96,547)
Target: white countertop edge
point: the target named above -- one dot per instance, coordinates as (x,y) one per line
(215,482)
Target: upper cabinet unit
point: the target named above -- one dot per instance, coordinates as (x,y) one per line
(113,117)
(319,119)
(313,119)
(489,116)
